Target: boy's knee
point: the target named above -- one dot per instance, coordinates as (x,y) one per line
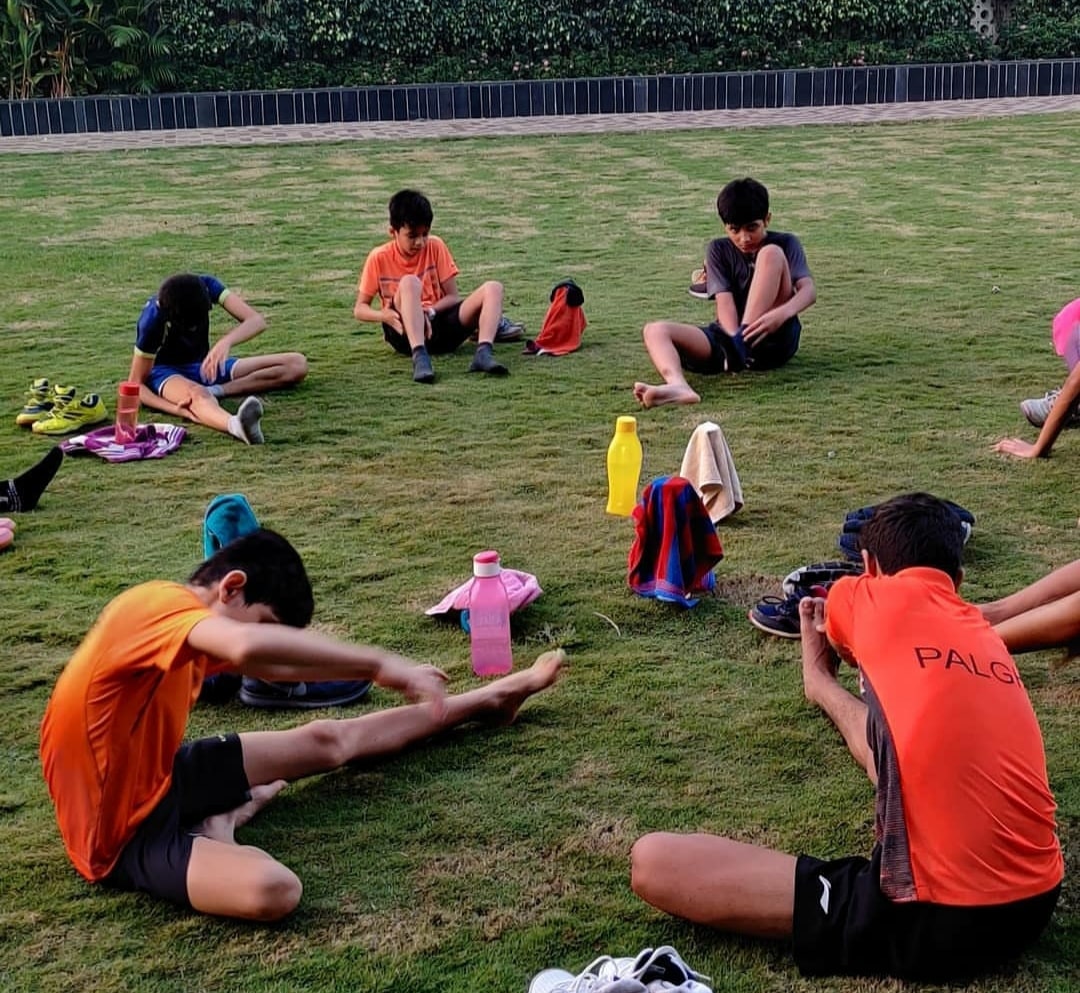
(645,856)
(296,368)
(323,744)
(654,331)
(770,255)
(410,285)
(276,894)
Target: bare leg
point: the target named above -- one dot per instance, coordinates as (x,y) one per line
(821,686)
(261,373)
(1053,625)
(185,398)
(667,344)
(717,882)
(482,309)
(1058,584)
(232,880)
(770,285)
(407,304)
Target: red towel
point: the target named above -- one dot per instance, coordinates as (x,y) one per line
(564,323)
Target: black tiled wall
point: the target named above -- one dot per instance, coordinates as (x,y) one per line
(533,98)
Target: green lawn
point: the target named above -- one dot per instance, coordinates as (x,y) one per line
(940,250)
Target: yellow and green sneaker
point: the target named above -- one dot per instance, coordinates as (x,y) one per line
(74,415)
(39,403)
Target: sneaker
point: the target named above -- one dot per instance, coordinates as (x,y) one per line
(509,330)
(72,415)
(248,416)
(598,977)
(819,576)
(778,615)
(1038,410)
(302,696)
(698,287)
(39,403)
(664,969)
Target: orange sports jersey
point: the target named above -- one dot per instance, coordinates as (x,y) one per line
(965,816)
(116,719)
(385,266)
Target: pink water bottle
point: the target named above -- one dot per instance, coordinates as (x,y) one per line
(127,413)
(489,618)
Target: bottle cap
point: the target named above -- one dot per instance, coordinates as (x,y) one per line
(486,564)
(626,425)
(129,389)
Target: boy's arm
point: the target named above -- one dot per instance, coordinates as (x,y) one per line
(280,652)
(1053,426)
(804,296)
(727,316)
(249,323)
(451,295)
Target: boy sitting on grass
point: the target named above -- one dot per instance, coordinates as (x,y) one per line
(967,866)
(761,282)
(421,310)
(138,810)
(181,374)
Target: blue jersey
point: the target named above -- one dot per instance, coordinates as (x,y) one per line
(170,344)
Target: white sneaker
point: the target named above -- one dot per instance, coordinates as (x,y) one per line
(1037,410)
(599,976)
(664,969)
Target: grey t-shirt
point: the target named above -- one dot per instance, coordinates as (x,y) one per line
(727,270)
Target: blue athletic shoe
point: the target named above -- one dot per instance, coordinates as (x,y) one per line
(302,696)
(778,615)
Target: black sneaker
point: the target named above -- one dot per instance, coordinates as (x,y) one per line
(302,696)
(808,579)
(778,615)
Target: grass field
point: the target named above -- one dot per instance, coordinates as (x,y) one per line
(940,251)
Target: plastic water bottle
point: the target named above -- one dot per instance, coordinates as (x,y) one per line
(489,618)
(623,467)
(127,413)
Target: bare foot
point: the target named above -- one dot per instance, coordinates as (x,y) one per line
(222,827)
(659,396)
(818,660)
(510,692)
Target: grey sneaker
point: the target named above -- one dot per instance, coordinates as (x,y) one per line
(1037,410)
(698,287)
(509,330)
(422,370)
(249,415)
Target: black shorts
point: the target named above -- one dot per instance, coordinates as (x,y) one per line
(771,353)
(208,779)
(845,925)
(447,333)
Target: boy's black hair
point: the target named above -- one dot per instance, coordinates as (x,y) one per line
(743,201)
(410,209)
(184,301)
(275,574)
(915,529)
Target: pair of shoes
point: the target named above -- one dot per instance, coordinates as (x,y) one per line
(698,287)
(1037,410)
(651,971)
(41,400)
(68,414)
(302,696)
(819,576)
(778,615)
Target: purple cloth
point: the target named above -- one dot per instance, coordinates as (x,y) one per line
(152,441)
(521,589)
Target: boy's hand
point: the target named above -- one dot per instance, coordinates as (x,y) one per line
(766,324)
(214,361)
(416,683)
(1018,447)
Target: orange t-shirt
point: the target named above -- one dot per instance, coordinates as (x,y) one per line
(385,266)
(116,719)
(965,816)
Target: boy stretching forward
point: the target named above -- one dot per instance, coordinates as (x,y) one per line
(421,310)
(761,282)
(140,811)
(967,867)
(182,374)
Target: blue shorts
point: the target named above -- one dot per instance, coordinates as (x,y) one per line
(192,371)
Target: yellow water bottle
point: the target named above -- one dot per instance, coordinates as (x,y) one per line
(623,467)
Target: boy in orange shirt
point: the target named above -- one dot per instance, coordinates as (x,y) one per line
(967,866)
(421,310)
(139,810)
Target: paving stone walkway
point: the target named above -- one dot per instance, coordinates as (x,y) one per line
(570,124)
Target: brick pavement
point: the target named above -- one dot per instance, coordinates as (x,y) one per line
(569,124)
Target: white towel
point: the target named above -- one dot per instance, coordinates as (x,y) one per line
(709,466)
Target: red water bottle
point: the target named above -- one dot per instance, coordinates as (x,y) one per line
(489,618)
(127,413)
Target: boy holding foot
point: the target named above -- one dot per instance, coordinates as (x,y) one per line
(138,810)
(761,283)
(420,308)
(967,866)
(180,373)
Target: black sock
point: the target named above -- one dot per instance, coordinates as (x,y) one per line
(419,350)
(23,492)
(484,361)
